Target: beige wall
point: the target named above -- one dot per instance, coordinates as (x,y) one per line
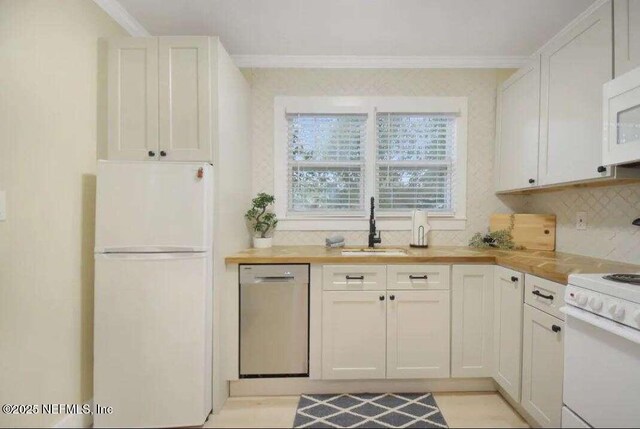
(479,85)
(48,128)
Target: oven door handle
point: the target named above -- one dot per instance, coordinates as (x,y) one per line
(602,323)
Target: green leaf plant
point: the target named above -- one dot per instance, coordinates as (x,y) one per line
(501,239)
(261,220)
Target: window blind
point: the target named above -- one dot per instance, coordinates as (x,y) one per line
(414,161)
(326,162)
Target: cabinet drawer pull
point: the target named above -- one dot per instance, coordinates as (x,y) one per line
(151,153)
(541,295)
(381,298)
(392,297)
(556,328)
(163,153)
(514,279)
(355,277)
(412,277)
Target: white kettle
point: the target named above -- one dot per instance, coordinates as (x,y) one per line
(419,228)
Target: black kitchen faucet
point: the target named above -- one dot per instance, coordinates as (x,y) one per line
(373,240)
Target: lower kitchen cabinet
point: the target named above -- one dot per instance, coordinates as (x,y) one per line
(507,329)
(472,321)
(353,334)
(418,334)
(542,366)
(385,334)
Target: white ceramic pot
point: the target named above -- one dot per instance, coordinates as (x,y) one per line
(262,243)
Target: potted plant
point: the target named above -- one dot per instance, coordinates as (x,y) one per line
(262,221)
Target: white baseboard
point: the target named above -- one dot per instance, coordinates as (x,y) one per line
(298,386)
(77,420)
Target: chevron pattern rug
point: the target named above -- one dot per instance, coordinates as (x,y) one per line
(369,410)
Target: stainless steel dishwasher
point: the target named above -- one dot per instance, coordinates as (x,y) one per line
(274,320)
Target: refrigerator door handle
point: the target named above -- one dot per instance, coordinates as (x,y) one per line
(152,256)
(150,249)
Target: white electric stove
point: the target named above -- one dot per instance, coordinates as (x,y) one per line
(602,351)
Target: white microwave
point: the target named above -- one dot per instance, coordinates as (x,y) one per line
(621,117)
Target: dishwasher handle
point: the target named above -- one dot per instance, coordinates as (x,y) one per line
(274,279)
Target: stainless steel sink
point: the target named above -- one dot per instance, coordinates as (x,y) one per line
(366,251)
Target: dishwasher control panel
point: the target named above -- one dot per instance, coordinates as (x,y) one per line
(298,273)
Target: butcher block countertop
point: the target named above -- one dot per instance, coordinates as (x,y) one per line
(554,266)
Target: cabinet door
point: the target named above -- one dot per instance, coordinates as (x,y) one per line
(518,129)
(542,366)
(472,321)
(507,332)
(418,334)
(626,19)
(574,68)
(133,98)
(185,98)
(353,334)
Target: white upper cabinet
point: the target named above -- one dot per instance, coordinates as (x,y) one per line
(517,129)
(626,18)
(575,65)
(185,98)
(418,334)
(507,333)
(162,94)
(133,98)
(472,321)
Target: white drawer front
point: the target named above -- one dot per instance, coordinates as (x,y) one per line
(411,277)
(544,295)
(354,277)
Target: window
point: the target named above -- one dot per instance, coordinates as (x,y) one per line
(331,154)
(414,164)
(325,162)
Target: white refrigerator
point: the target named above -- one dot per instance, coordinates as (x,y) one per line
(153,292)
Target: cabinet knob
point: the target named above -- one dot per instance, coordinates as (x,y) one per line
(556,328)
(602,169)
(532,181)
(514,279)
(151,153)
(381,297)
(392,297)
(163,153)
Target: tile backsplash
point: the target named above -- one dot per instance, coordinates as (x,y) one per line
(610,210)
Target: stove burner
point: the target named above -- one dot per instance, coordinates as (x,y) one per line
(633,279)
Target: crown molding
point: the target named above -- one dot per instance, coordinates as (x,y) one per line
(567,28)
(115,10)
(370,62)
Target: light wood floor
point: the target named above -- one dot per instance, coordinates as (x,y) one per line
(485,409)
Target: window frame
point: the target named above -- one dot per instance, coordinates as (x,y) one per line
(386,220)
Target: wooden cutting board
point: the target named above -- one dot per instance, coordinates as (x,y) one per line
(532,231)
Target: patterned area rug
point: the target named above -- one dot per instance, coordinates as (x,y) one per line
(369,410)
